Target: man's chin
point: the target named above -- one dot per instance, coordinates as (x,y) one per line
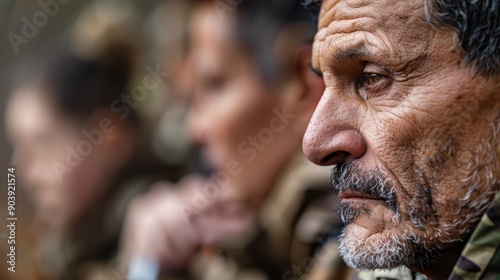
(366,244)
(362,248)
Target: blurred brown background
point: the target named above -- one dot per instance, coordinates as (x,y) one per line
(53,21)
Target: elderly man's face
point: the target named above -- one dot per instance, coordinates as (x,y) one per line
(411,129)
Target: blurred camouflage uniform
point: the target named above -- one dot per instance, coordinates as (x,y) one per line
(88,249)
(93,240)
(292,225)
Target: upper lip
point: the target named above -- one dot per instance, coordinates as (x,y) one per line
(354,194)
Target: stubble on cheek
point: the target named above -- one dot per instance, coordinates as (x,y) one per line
(448,167)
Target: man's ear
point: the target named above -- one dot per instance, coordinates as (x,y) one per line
(113,138)
(293,49)
(314,86)
(306,87)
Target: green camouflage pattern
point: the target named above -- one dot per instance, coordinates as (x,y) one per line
(481,257)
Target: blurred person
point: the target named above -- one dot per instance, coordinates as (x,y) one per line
(75,151)
(68,174)
(265,211)
(409,120)
(167,27)
(71,150)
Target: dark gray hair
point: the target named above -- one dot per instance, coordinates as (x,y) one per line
(476,24)
(259,24)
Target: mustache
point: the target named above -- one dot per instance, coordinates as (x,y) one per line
(347,176)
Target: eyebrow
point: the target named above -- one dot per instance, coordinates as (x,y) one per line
(343,56)
(349,54)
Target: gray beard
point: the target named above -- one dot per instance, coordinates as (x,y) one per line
(389,252)
(395,250)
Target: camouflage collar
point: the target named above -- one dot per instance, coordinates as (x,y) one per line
(481,257)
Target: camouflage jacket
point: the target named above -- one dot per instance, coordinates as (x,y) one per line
(480,258)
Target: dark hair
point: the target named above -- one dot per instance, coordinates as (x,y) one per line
(476,24)
(259,25)
(80,86)
(76,86)
(313,6)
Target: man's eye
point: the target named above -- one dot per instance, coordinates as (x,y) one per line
(372,84)
(369,80)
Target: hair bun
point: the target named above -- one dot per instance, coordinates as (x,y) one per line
(108,34)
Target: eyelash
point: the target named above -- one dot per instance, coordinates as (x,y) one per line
(374,89)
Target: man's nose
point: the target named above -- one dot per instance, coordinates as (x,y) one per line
(331,137)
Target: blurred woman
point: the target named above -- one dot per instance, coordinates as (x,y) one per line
(74,146)
(265,210)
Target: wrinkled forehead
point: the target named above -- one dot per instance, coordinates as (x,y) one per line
(383,11)
(379,27)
